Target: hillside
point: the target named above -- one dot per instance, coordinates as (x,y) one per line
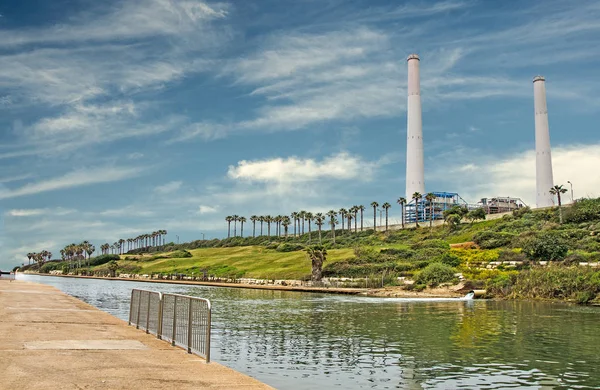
(489,254)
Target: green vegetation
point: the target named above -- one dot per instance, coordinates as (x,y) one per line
(502,255)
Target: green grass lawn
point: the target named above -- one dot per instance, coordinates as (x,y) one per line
(247,261)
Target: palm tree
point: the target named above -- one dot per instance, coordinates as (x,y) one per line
(235,219)
(374,205)
(229,218)
(332,221)
(242,220)
(254,218)
(558,190)
(121,242)
(349,217)
(302,216)
(319,220)
(309,217)
(402,202)
(361,208)
(417,197)
(342,212)
(30,256)
(268,220)
(354,210)
(386,206)
(295,218)
(261,219)
(430,197)
(286,223)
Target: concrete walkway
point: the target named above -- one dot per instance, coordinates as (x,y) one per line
(50,340)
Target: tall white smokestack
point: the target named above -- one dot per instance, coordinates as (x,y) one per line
(543,158)
(415,170)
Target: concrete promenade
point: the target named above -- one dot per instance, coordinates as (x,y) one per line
(50,340)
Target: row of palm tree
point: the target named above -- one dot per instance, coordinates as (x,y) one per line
(156,238)
(77,252)
(301,219)
(39,257)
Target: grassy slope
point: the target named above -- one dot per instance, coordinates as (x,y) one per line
(247,261)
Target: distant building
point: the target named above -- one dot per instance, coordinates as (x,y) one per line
(500,204)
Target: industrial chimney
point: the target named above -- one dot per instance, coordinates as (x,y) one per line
(543,158)
(415,171)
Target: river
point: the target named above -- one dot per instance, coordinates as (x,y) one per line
(294,340)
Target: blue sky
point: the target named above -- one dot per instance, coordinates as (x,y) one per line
(120,118)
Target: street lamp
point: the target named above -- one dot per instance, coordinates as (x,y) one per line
(572,198)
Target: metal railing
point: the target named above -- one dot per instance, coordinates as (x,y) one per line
(180,319)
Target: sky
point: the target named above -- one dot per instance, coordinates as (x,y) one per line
(122,118)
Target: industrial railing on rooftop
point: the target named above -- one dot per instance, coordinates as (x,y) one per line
(180,319)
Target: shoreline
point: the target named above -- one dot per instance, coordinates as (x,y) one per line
(386,292)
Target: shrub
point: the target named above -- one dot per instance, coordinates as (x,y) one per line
(433,243)
(583,210)
(435,274)
(450,259)
(103,259)
(511,255)
(584,297)
(557,282)
(289,247)
(574,259)
(180,254)
(501,284)
(519,213)
(402,253)
(488,239)
(548,246)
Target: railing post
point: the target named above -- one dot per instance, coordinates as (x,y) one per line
(189,337)
(207,343)
(130,307)
(137,322)
(159,325)
(148,314)
(174,320)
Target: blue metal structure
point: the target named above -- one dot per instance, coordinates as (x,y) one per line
(422,209)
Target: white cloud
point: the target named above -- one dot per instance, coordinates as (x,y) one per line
(168,188)
(72,179)
(203,209)
(514,175)
(342,166)
(38,212)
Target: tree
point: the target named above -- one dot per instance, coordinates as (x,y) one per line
(476,214)
(453,220)
(242,220)
(342,212)
(374,205)
(261,219)
(286,222)
(30,256)
(386,206)
(317,254)
(229,218)
(319,220)
(549,246)
(402,202)
(309,217)
(302,215)
(235,219)
(354,210)
(112,267)
(558,190)
(295,219)
(268,220)
(349,217)
(417,196)
(254,218)
(430,197)
(361,208)
(332,221)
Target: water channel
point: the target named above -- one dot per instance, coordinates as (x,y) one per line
(294,340)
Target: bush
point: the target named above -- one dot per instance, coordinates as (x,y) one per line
(501,285)
(435,274)
(550,246)
(433,243)
(450,259)
(488,239)
(583,210)
(519,213)
(574,259)
(289,247)
(401,253)
(103,259)
(584,297)
(180,254)
(511,255)
(558,282)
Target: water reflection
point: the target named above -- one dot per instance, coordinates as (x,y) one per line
(307,341)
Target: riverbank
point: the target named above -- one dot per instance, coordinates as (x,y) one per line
(51,340)
(391,292)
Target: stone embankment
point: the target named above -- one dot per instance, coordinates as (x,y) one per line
(50,340)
